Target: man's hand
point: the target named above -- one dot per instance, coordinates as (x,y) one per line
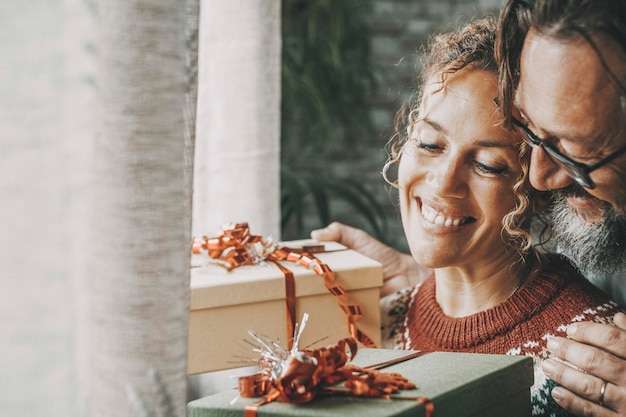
(600,350)
(399,269)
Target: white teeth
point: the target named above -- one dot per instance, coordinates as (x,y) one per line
(429,214)
(433,216)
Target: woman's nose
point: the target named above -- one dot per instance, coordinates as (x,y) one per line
(450,180)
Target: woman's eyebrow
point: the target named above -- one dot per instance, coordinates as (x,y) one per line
(432,124)
(484,143)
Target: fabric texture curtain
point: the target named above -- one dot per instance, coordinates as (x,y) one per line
(47,118)
(237,157)
(237,165)
(96,170)
(139,257)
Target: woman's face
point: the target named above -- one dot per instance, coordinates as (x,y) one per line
(457,172)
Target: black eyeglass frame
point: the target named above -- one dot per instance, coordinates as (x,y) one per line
(577,170)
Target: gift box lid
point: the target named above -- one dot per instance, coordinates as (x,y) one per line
(214,286)
(458,384)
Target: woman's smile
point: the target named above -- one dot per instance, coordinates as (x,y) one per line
(435,217)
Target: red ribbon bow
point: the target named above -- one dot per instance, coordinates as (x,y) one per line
(306,374)
(235,240)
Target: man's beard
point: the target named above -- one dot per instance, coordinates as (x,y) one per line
(598,248)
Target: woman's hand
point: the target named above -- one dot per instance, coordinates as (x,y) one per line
(399,269)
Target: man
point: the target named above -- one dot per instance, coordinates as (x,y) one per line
(563,83)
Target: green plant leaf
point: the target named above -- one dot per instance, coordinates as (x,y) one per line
(356,197)
(320,197)
(327,77)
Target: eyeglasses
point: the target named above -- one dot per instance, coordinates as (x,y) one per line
(577,170)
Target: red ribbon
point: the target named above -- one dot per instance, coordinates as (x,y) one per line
(234,246)
(312,372)
(236,238)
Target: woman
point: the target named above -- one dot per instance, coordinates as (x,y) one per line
(466,208)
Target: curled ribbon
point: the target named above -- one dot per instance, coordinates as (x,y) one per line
(305,374)
(236,246)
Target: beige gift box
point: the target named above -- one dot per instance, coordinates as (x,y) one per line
(225,305)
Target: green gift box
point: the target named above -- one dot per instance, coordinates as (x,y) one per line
(457,384)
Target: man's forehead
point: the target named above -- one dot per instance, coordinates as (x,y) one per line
(564,87)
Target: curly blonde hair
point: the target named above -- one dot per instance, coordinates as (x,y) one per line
(471,46)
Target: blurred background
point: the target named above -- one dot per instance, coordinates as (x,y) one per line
(345,67)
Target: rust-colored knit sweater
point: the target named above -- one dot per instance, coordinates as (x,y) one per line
(521,325)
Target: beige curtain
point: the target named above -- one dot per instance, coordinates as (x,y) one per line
(139,259)
(237,157)
(47,115)
(95,163)
(238,147)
